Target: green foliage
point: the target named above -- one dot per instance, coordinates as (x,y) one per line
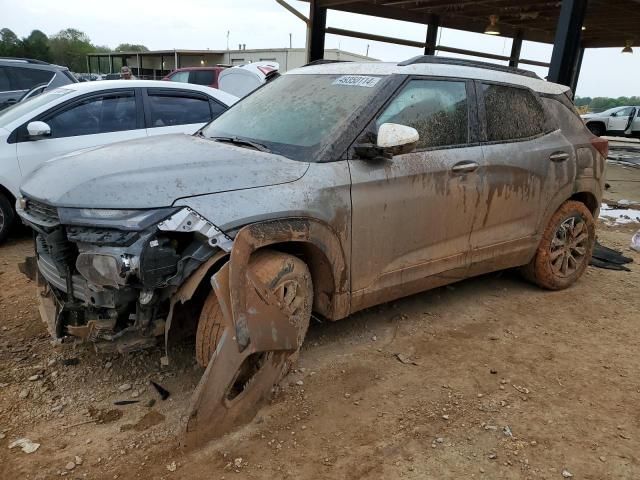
(70,48)
(36,46)
(599,104)
(10,45)
(131,47)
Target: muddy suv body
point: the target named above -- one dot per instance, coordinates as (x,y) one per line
(336,187)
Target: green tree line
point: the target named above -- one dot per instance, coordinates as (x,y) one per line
(68,47)
(598,104)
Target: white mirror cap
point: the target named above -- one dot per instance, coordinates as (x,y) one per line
(395,135)
(38,129)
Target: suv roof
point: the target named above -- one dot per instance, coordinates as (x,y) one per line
(442,67)
(29,63)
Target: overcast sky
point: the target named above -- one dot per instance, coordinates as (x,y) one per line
(200,24)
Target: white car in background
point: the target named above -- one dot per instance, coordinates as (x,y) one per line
(617,121)
(241,80)
(91,114)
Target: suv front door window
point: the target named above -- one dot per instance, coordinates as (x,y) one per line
(412,193)
(437,110)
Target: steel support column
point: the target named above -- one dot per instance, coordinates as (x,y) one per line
(317,25)
(575,75)
(566,47)
(432,36)
(516,48)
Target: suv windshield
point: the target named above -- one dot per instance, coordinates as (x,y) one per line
(16,111)
(296,115)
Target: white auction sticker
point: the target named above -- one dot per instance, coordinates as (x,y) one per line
(357,81)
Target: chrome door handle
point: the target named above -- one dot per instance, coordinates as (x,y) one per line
(464,167)
(559,156)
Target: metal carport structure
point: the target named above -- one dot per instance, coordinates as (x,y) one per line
(571,25)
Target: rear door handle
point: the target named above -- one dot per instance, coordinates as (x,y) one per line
(465,166)
(559,156)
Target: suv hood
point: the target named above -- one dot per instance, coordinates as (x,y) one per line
(155,172)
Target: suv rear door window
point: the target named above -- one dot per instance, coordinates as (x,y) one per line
(168,109)
(512,113)
(437,109)
(107,113)
(202,77)
(27,78)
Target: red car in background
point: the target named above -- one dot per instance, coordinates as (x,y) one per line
(207,76)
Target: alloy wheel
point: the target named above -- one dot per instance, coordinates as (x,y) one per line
(569,246)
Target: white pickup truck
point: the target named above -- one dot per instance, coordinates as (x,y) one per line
(617,121)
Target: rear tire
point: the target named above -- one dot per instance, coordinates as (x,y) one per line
(7,216)
(597,129)
(565,249)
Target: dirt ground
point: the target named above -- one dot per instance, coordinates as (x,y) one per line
(499,379)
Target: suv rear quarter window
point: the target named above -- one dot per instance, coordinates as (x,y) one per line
(27,78)
(202,77)
(511,113)
(564,118)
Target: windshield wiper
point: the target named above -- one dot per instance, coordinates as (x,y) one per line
(242,141)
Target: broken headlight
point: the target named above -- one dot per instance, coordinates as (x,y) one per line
(106,270)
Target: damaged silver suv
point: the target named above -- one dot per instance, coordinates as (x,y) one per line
(334,188)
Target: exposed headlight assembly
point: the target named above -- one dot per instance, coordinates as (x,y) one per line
(106,270)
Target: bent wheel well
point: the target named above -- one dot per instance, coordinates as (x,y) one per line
(589,200)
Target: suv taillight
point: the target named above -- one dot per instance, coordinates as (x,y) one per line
(601,145)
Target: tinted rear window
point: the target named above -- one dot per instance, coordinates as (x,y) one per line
(171,110)
(512,113)
(202,77)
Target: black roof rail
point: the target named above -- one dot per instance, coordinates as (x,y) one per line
(467,63)
(322,61)
(25,60)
